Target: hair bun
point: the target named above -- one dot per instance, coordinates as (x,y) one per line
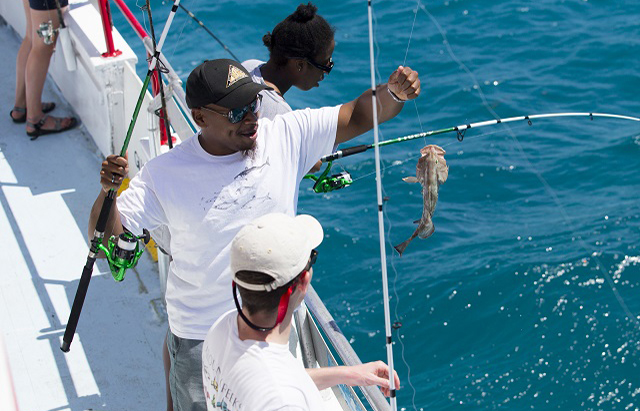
(267,40)
(304,13)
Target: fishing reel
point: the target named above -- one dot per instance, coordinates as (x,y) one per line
(47,33)
(124,252)
(326,183)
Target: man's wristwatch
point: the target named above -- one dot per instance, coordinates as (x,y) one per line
(396,98)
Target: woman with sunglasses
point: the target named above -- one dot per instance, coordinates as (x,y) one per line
(300,50)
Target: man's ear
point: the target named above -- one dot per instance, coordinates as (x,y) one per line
(198,117)
(304,281)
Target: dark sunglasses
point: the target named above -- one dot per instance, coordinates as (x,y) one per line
(312,259)
(327,69)
(237,114)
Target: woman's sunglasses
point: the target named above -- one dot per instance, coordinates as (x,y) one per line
(236,115)
(327,69)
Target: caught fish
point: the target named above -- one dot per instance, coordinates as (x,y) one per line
(431,171)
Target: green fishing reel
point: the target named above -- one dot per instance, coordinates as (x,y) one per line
(326,183)
(124,252)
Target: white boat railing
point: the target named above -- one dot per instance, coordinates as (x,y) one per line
(339,342)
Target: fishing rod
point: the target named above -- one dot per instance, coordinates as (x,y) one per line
(162,114)
(193,16)
(383,252)
(65,41)
(325,182)
(125,253)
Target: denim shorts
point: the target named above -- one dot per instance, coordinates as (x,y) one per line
(47,4)
(185,375)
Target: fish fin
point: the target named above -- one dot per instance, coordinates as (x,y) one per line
(411,179)
(439,150)
(417,221)
(427,230)
(442,171)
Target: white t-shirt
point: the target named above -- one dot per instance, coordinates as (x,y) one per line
(253,375)
(272,103)
(204,200)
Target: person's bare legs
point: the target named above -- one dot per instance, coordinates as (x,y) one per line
(21,63)
(36,69)
(167,365)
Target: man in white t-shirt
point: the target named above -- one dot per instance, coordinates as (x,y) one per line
(246,362)
(234,170)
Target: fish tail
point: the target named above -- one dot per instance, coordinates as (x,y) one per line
(400,247)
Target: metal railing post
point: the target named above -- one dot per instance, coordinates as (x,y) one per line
(107,23)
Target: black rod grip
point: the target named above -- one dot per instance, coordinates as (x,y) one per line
(83,285)
(103,218)
(78,301)
(354,150)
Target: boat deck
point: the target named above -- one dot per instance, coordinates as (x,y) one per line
(47,187)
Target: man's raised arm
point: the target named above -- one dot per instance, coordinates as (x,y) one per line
(356,117)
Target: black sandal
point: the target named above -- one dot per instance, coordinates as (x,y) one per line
(58,128)
(46,107)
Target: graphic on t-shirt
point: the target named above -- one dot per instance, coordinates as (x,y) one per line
(244,192)
(241,193)
(249,170)
(218,394)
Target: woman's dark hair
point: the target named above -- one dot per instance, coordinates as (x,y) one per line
(302,34)
(257,301)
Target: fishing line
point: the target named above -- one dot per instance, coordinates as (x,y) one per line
(184,24)
(406,54)
(210,32)
(534,170)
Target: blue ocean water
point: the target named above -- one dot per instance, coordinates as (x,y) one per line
(519,300)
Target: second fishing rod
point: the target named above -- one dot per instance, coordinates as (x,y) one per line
(325,182)
(125,258)
(461,129)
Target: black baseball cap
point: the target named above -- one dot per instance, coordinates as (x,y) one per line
(223,82)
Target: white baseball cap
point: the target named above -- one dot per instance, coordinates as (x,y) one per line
(277,245)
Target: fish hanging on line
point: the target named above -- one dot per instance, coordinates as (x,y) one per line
(431,171)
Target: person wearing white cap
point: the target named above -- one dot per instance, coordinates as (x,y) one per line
(236,168)
(246,362)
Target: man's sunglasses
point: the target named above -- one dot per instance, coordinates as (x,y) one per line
(312,259)
(237,114)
